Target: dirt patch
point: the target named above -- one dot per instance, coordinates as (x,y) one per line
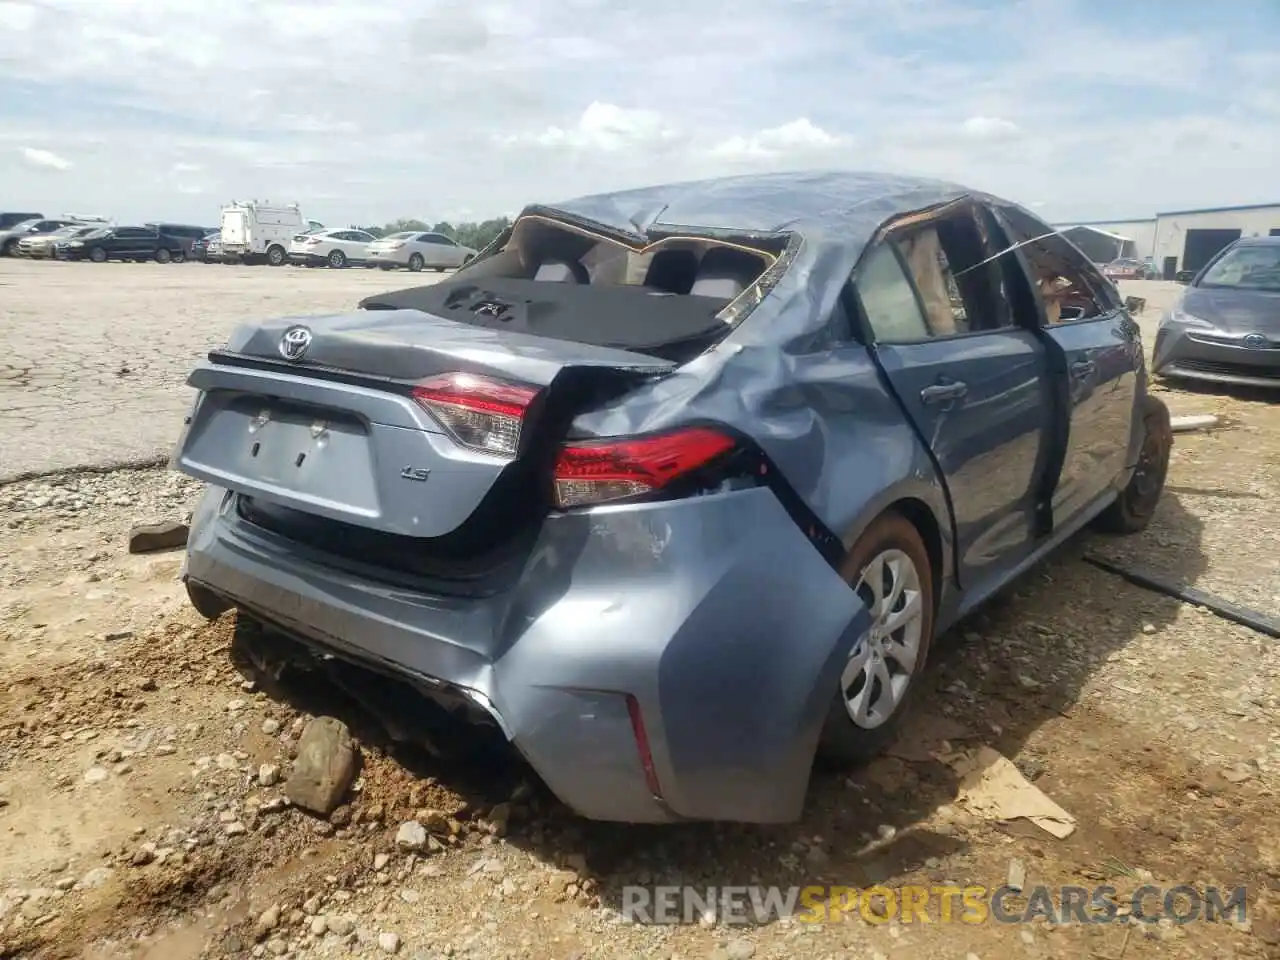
(137,820)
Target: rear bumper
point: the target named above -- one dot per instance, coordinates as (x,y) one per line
(1184,352)
(715,614)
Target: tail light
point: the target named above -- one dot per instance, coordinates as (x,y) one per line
(312,241)
(601,471)
(396,245)
(477,412)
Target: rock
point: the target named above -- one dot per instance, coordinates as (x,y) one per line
(412,836)
(270,727)
(339,925)
(1268,931)
(381,860)
(325,767)
(277,947)
(150,537)
(267,921)
(143,855)
(740,949)
(1237,774)
(434,821)
(341,816)
(499,818)
(318,926)
(389,942)
(96,878)
(95,775)
(147,685)
(235,706)
(234,829)
(268,775)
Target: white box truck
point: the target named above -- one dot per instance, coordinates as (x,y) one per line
(256,232)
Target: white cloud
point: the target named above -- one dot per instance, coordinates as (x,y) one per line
(798,141)
(45,159)
(990,128)
(366,112)
(605,127)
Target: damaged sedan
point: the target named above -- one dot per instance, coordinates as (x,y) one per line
(671,489)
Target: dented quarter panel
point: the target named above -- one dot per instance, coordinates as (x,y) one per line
(702,609)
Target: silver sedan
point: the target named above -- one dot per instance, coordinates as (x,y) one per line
(417,250)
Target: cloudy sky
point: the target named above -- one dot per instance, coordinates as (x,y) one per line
(366,110)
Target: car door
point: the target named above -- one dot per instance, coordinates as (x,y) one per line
(437,250)
(971,378)
(1100,349)
(357,247)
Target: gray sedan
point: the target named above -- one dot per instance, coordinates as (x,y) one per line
(1225,327)
(671,490)
(417,250)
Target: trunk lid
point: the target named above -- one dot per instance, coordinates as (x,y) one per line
(336,432)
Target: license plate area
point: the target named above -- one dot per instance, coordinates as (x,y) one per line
(292,453)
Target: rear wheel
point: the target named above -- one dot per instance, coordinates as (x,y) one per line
(337,259)
(1133,509)
(275,255)
(163,255)
(890,570)
(416,263)
(98,255)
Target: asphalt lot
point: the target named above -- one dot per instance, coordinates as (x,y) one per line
(95,356)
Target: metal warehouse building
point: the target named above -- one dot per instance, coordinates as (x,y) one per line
(1175,239)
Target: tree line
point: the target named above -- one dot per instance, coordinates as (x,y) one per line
(477,236)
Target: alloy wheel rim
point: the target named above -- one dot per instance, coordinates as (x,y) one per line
(882,662)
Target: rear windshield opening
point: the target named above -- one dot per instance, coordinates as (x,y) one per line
(560,281)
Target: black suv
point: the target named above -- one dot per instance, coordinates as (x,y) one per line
(123,243)
(184,232)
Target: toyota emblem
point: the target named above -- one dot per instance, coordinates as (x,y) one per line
(1255,341)
(294,343)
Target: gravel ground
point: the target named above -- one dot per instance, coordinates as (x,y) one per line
(96,355)
(142,764)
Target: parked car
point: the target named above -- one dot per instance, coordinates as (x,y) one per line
(9,239)
(1225,326)
(331,247)
(122,243)
(1125,269)
(9,219)
(185,233)
(416,250)
(573,496)
(40,246)
(200,248)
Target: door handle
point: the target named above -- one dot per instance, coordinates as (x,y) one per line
(1082,368)
(944,392)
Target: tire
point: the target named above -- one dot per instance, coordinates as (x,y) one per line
(337,259)
(163,255)
(893,545)
(1132,510)
(98,255)
(206,603)
(180,257)
(275,255)
(382,266)
(416,263)
(11,248)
